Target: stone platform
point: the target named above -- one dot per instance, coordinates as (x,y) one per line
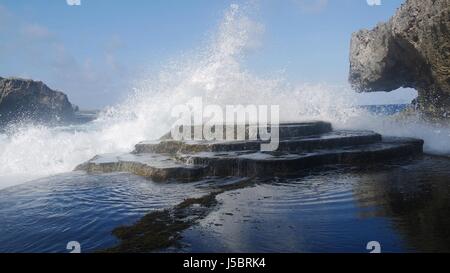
(302,146)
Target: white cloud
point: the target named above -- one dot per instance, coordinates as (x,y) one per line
(35,31)
(114,44)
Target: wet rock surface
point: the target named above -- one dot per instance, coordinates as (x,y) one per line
(300,148)
(156,166)
(412,50)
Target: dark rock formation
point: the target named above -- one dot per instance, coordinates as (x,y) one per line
(30,100)
(302,146)
(162,228)
(412,50)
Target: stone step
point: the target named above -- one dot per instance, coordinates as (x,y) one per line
(302,146)
(155,166)
(250,163)
(329,140)
(190,167)
(286,130)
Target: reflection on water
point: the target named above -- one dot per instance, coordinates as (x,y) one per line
(42,216)
(416,198)
(402,205)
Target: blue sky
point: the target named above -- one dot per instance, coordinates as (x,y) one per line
(94,51)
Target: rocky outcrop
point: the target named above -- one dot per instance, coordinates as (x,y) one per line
(302,146)
(28,100)
(412,50)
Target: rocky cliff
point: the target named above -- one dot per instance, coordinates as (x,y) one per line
(22,99)
(412,50)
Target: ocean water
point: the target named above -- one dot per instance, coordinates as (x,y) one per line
(43,216)
(402,204)
(36,161)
